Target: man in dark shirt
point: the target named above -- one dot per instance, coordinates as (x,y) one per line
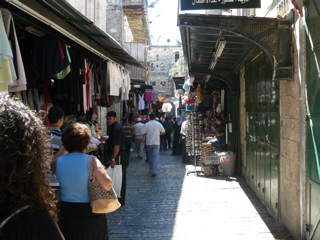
(220,138)
(116,150)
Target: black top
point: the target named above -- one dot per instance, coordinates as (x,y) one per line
(34,225)
(116,137)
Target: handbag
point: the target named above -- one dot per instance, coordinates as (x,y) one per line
(101,200)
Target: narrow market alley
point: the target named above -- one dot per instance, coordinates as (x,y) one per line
(175,205)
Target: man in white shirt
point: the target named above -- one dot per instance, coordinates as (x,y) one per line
(138,138)
(153,129)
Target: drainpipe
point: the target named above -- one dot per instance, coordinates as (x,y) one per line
(302,113)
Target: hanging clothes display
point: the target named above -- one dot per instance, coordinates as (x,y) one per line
(114,79)
(141,104)
(128,87)
(153,94)
(148,96)
(47,57)
(16,65)
(5,56)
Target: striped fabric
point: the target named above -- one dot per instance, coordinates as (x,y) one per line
(128,130)
(55,136)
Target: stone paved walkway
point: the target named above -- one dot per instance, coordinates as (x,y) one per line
(176,206)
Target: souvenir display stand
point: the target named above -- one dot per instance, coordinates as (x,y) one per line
(193,137)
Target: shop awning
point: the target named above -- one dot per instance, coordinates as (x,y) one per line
(140,86)
(216,47)
(84,32)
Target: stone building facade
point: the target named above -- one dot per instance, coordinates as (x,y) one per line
(161,59)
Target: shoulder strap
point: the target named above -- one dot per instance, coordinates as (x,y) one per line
(13,214)
(90,166)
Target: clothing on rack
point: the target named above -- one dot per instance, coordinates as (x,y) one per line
(6,56)
(141,104)
(148,96)
(17,68)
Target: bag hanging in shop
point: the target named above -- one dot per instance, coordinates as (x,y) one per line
(219,108)
(102,201)
(190,98)
(189,107)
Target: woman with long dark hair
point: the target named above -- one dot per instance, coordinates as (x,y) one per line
(27,206)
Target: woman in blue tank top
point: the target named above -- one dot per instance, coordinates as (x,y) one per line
(76,219)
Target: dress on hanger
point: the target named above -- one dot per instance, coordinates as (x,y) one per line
(141,104)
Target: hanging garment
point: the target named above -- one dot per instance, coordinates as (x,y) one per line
(112,77)
(21,83)
(86,88)
(7,19)
(148,95)
(46,57)
(5,55)
(141,104)
(124,83)
(128,88)
(199,93)
(66,61)
(153,93)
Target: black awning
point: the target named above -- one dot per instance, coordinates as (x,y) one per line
(140,86)
(216,47)
(69,22)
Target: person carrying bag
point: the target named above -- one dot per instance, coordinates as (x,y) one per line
(115,174)
(77,220)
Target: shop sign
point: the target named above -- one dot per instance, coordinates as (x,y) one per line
(179,81)
(218,4)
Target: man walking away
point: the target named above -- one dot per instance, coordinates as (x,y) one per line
(153,129)
(128,133)
(137,131)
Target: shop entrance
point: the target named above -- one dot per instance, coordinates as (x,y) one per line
(262,131)
(313,120)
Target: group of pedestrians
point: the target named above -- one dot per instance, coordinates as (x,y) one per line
(28,206)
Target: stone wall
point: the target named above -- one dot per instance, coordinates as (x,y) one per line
(290,161)
(93,10)
(160,61)
(114,20)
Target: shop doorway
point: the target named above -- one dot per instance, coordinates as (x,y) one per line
(262,131)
